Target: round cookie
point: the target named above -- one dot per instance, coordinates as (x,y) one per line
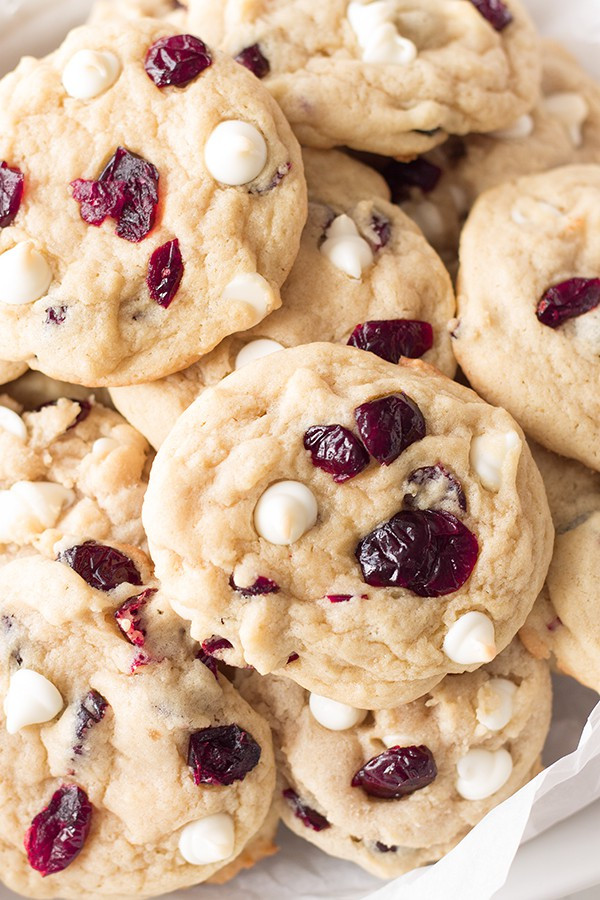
(466,746)
(172,11)
(407,541)
(10,370)
(528,289)
(563,624)
(174,171)
(69,468)
(383,76)
(162,771)
(330,291)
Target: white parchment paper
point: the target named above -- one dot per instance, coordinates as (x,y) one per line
(479,867)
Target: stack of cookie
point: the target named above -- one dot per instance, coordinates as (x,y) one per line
(238,223)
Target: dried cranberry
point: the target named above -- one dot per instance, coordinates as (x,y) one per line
(277,178)
(392,338)
(214,644)
(389,425)
(262,585)
(554,624)
(568,300)
(339,598)
(57,835)
(165,271)
(139,660)
(129,619)
(309,817)
(103,568)
(11,193)
(397,772)
(449,485)
(254,59)
(336,450)
(431,553)
(90,713)
(402,176)
(176,60)
(292,658)
(222,755)
(495,11)
(99,200)
(383,848)
(56,315)
(380,225)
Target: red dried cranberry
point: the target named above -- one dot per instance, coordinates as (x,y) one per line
(495,11)
(451,486)
(567,300)
(389,425)
(397,772)
(292,658)
(277,178)
(90,713)
(165,271)
(254,59)
(222,755)
(103,568)
(56,315)
(431,553)
(392,338)
(262,585)
(380,225)
(309,817)
(402,176)
(139,660)
(339,598)
(336,450)
(554,624)
(383,848)
(176,60)
(215,644)
(57,835)
(129,619)
(11,193)
(99,200)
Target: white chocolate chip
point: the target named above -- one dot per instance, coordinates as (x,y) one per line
(483,772)
(488,456)
(333,715)
(256,350)
(252,289)
(12,422)
(30,507)
(460,198)
(429,219)
(471,639)
(31,700)
(527,211)
(398,740)
(495,703)
(235,153)
(520,128)
(345,248)
(571,110)
(25,275)
(284,512)
(90,73)
(377,34)
(208,840)
(366,18)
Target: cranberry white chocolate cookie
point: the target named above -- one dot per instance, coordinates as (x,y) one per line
(144,153)
(172,11)
(361,527)
(528,329)
(364,275)
(384,76)
(397,788)
(70,467)
(564,623)
(130,766)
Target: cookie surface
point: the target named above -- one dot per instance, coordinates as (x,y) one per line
(126,733)
(333,288)
(301,569)
(382,76)
(165,176)
(473,740)
(528,288)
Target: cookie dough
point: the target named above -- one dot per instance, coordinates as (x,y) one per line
(364,575)
(325,298)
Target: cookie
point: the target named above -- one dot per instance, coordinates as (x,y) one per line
(361,527)
(171,11)
(563,625)
(136,177)
(69,468)
(528,289)
(397,788)
(130,767)
(382,76)
(377,283)
(10,370)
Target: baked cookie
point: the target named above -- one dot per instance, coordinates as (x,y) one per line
(10,370)
(172,11)
(363,274)
(130,767)
(69,468)
(361,527)
(383,76)
(397,788)
(563,624)
(529,290)
(144,154)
